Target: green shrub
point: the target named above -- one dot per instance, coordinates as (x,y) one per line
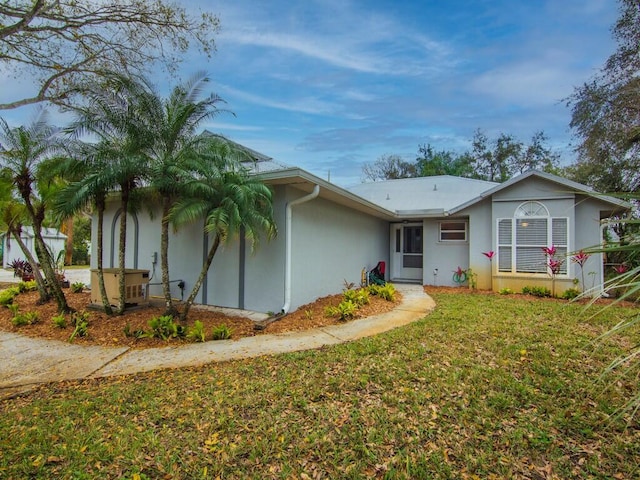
(79,317)
(331,311)
(570,293)
(81,329)
(163,327)
(506,291)
(536,291)
(347,309)
(13,308)
(387,291)
(8,294)
(59,321)
(135,333)
(360,297)
(197,333)
(29,286)
(221,332)
(77,287)
(27,318)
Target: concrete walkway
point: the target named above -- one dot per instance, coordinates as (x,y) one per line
(26,362)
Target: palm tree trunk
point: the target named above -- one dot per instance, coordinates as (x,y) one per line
(203,273)
(37,276)
(124,205)
(164,258)
(68,247)
(46,262)
(103,291)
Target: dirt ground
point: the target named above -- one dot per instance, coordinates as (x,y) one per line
(109,330)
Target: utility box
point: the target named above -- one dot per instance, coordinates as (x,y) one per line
(135,281)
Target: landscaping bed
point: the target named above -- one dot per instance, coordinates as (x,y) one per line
(108,330)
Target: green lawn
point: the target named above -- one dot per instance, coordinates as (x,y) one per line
(484,387)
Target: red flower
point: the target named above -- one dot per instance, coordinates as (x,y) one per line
(489,254)
(550,251)
(621,268)
(460,271)
(580,258)
(554,266)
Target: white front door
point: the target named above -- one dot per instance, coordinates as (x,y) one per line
(406,251)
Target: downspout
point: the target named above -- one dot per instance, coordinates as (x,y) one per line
(287,261)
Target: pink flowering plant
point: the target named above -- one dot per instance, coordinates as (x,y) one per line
(580,259)
(554,265)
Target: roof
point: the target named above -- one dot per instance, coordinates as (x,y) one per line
(46,233)
(405,198)
(428,195)
(447,195)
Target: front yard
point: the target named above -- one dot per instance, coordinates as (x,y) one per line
(487,386)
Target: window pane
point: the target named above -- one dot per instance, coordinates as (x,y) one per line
(504,232)
(530,260)
(504,259)
(453,236)
(531,231)
(453,226)
(412,239)
(412,261)
(559,233)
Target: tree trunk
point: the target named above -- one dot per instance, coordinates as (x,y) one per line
(68,247)
(124,205)
(203,273)
(164,259)
(37,276)
(103,291)
(46,262)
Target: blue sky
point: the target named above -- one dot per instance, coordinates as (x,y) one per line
(330,85)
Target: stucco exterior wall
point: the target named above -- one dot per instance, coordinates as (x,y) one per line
(480,240)
(446,257)
(12,251)
(331,244)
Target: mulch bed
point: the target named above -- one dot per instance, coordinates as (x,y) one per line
(109,330)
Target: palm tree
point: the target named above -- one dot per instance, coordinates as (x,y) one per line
(228,199)
(22,153)
(89,187)
(176,146)
(117,114)
(12,216)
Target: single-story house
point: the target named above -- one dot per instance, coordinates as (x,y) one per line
(422,228)
(11,251)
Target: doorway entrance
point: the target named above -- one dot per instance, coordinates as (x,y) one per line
(406,251)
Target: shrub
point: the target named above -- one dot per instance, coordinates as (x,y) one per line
(28,286)
(79,317)
(135,333)
(536,291)
(196,333)
(7,295)
(506,291)
(77,287)
(163,327)
(387,291)
(347,309)
(360,297)
(27,318)
(81,329)
(570,293)
(221,332)
(59,321)
(331,311)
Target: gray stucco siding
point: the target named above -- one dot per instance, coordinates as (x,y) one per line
(331,244)
(446,256)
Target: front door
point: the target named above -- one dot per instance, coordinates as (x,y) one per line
(406,251)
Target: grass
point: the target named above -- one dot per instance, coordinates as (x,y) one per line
(484,387)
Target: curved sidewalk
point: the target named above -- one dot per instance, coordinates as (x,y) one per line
(26,362)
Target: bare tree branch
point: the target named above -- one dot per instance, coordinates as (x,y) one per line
(62,43)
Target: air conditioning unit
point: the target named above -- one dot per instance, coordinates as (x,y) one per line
(135,281)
